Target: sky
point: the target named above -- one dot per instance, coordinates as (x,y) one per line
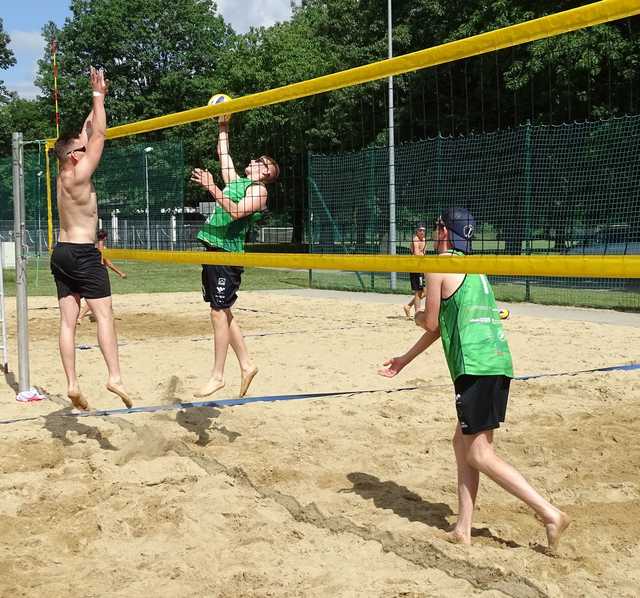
(23,21)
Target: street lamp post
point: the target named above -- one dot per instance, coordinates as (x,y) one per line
(147,151)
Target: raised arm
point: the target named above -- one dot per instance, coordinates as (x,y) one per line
(254,200)
(226,163)
(86,131)
(98,127)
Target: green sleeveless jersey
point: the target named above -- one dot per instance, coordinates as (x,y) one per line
(472,335)
(220,229)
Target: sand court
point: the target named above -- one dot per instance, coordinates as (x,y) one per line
(340,496)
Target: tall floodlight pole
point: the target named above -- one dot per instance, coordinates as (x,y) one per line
(147,151)
(19,234)
(392,154)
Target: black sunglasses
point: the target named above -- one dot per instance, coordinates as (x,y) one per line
(78,149)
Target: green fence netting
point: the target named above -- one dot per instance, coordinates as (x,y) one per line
(568,189)
(132,180)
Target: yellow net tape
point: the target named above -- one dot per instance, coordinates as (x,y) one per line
(544,27)
(520,265)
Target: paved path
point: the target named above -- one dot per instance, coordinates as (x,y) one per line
(580,314)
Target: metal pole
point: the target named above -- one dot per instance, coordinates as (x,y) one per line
(146,194)
(392,155)
(5,360)
(39,175)
(21,262)
(528,194)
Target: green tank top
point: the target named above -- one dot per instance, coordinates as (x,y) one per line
(220,229)
(472,335)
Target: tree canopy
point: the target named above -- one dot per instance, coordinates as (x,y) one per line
(7,59)
(166,57)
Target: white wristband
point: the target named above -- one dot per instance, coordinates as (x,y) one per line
(97,94)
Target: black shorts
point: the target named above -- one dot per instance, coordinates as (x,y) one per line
(417,281)
(481,402)
(220,284)
(77,269)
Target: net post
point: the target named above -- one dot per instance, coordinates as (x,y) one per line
(371,209)
(528,191)
(19,233)
(439,186)
(309,219)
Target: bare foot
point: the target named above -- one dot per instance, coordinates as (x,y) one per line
(556,528)
(119,389)
(245,381)
(407,311)
(76,398)
(456,537)
(213,385)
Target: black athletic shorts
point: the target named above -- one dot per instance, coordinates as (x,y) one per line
(481,402)
(220,284)
(417,281)
(77,269)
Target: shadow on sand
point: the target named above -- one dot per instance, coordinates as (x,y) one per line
(59,424)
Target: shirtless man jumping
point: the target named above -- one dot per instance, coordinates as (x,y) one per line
(76,262)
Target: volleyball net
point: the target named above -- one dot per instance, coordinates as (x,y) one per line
(554,191)
(554,206)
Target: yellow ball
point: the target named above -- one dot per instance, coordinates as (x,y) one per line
(504,313)
(218,98)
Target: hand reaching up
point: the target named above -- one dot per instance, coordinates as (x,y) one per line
(98,82)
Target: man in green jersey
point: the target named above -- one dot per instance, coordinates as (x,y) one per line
(461,310)
(225,230)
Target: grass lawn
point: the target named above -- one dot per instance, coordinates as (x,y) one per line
(548,293)
(143,277)
(148,277)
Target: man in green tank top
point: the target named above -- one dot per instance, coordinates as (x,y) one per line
(461,310)
(242,199)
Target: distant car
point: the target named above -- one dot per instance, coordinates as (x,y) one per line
(610,240)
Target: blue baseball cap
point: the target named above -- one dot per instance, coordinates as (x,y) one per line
(461,226)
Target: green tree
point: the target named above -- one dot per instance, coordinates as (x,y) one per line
(159,57)
(30,117)
(167,57)
(7,59)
